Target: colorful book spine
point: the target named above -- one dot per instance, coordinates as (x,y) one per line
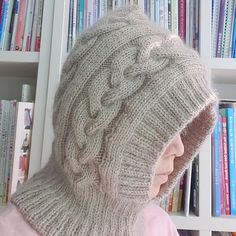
(81,15)
(14,27)
(221,155)
(233,40)
(220,28)
(232,163)
(3,20)
(215,22)
(225,160)
(28,26)
(39,27)
(228,17)
(20,25)
(182,19)
(216,171)
(34,26)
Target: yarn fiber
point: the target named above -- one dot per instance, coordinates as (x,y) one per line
(127,88)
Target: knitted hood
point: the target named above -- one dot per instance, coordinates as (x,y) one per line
(127,88)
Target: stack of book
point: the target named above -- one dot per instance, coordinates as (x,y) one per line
(224,160)
(20,24)
(179,16)
(15,129)
(224,28)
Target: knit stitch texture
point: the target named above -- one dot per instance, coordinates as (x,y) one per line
(127,88)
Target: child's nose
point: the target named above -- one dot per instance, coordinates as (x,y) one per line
(179,146)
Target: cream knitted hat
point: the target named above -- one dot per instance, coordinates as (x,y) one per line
(127,88)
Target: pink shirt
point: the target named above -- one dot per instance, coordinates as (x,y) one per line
(156,221)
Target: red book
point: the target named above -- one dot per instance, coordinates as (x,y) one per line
(182,19)
(222,185)
(225,162)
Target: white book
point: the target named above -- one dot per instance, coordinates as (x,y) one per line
(39,26)
(24,117)
(90,13)
(152,10)
(74,20)
(166,13)
(162,13)
(187,191)
(176,17)
(28,26)
(34,25)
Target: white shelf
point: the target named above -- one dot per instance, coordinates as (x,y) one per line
(18,57)
(227,224)
(190,222)
(22,64)
(223,69)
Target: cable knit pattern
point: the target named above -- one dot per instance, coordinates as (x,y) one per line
(127,88)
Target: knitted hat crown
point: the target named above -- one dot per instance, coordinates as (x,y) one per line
(127,88)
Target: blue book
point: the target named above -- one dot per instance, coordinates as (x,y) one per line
(216,168)
(3,19)
(81,15)
(231,156)
(233,46)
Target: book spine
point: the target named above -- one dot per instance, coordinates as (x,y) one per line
(5,41)
(69,39)
(169,15)
(182,19)
(152,10)
(81,15)
(220,28)
(216,171)
(3,151)
(233,44)
(28,26)
(20,25)
(16,13)
(215,22)
(227,28)
(34,25)
(157,11)
(39,27)
(21,147)
(181,189)
(3,20)
(74,20)
(162,13)
(232,163)
(222,186)
(225,163)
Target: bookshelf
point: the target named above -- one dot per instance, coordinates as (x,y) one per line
(223,79)
(19,67)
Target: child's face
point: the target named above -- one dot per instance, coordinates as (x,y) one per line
(165,164)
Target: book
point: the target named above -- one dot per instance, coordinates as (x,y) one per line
(229,109)
(187,191)
(216,169)
(24,117)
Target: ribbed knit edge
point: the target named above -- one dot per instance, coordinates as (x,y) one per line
(48,203)
(186,108)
